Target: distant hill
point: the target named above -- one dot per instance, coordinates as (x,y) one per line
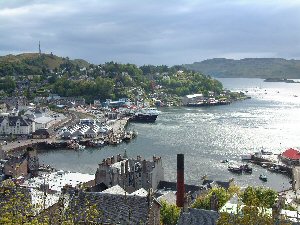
(33,63)
(248,68)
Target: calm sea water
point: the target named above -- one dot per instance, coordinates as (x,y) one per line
(270,119)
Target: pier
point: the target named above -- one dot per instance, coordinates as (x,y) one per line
(117,134)
(272,166)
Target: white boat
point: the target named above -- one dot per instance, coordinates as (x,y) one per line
(246,156)
(81,146)
(263,177)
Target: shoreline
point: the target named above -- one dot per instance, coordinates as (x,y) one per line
(15,147)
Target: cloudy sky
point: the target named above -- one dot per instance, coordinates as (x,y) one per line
(152,32)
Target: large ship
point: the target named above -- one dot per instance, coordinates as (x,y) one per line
(145,115)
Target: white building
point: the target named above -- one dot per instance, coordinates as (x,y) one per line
(194,98)
(16,125)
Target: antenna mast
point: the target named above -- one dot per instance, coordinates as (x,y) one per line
(40,52)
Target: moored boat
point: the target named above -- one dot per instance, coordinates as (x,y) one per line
(235,169)
(246,156)
(146,115)
(247,169)
(264,152)
(225,161)
(263,177)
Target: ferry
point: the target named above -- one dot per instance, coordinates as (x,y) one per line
(145,115)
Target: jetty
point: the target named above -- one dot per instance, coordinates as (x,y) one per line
(271,163)
(115,136)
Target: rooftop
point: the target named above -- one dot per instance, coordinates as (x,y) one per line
(198,217)
(57,180)
(291,154)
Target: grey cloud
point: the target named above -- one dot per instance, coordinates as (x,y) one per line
(151,32)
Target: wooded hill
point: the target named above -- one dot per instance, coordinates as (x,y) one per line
(248,68)
(35,64)
(35,75)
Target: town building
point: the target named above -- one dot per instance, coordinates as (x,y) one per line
(3,108)
(198,217)
(131,174)
(116,207)
(54,182)
(19,102)
(290,157)
(24,165)
(16,125)
(192,99)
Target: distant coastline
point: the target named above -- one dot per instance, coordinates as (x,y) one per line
(280,80)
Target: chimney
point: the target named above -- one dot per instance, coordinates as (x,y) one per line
(144,166)
(126,167)
(180,181)
(122,168)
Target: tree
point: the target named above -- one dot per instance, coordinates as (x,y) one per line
(259,196)
(16,208)
(223,195)
(15,205)
(250,215)
(169,214)
(253,209)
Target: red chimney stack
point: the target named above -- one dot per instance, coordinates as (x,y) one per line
(180,181)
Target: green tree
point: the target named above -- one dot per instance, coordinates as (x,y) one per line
(7,84)
(259,196)
(169,214)
(223,195)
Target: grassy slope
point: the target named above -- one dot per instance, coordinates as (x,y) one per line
(49,61)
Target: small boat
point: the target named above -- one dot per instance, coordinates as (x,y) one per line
(263,177)
(225,161)
(263,152)
(274,168)
(81,146)
(234,169)
(246,156)
(247,169)
(264,165)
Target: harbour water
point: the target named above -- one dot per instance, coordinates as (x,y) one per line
(207,135)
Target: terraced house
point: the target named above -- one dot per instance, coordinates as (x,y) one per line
(16,125)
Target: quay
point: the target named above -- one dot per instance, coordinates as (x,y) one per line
(271,165)
(115,136)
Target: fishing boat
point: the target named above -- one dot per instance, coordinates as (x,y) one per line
(246,156)
(247,169)
(263,177)
(81,146)
(225,161)
(235,169)
(264,152)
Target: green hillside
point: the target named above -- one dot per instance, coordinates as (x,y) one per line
(33,63)
(249,68)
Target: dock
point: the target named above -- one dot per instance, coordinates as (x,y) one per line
(116,136)
(272,166)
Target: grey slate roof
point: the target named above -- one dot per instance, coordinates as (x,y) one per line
(12,120)
(41,132)
(172,186)
(198,217)
(224,184)
(114,208)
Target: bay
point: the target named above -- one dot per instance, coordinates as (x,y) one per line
(207,135)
